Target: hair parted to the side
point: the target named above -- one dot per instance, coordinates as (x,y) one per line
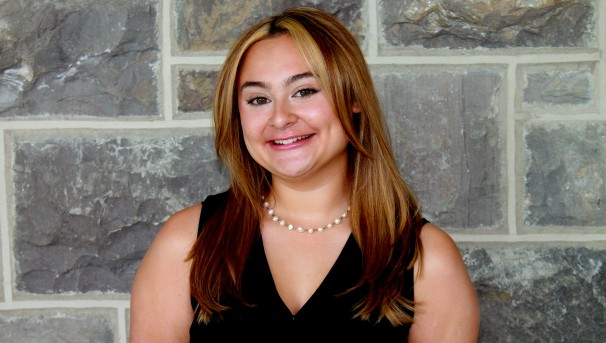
(385,217)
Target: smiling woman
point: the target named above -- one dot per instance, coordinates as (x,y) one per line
(288,122)
(299,127)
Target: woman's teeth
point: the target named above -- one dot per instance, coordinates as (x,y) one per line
(290,140)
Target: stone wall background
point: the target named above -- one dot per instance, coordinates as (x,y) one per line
(498,117)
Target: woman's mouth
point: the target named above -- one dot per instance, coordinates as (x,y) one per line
(290,140)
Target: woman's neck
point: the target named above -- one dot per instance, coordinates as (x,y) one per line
(310,204)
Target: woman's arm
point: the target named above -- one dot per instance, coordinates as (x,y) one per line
(445,299)
(160,306)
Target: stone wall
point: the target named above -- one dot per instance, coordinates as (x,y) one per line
(498,117)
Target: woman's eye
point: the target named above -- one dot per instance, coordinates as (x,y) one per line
(257,101)
(306,92)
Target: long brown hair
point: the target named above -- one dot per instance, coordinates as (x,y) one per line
(385,217)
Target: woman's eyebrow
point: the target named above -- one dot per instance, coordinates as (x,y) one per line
(298,77)
(259,84)
(264,85)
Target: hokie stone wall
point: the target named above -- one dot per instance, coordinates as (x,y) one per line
(497,111)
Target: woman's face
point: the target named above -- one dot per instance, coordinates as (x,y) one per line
(288,123)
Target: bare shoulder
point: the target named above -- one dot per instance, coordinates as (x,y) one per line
(446,304)
(160,297)
(181,227)
(441,253)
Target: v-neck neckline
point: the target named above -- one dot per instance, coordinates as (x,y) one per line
(318,291)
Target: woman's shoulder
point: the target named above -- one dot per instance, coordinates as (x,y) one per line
(436,241)
(185,223)
(444,292)
(182,225)
(176,236)
(160,298)
(441,256)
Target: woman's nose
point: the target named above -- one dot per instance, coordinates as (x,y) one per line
(283,115)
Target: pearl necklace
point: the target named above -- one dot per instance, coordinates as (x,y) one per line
(274,217)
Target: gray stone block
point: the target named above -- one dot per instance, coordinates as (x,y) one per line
(79,58)
(195,90)
(532,293)
(562,88)
(500,24)
(565,174)
(58,326)
(88,204)
(211,27)
(1,269)
(446,126)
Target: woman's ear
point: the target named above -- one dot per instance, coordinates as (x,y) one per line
(355,108)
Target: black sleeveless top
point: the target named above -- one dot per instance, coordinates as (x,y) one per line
(326,315)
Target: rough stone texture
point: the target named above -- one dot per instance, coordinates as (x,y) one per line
(565,177)
(84,205)
(88,206)
(195,90)
(80,57)
(531,293)
(210,26)
(447,132)
(58,326)
(1,269)
(564,86)
(488,24)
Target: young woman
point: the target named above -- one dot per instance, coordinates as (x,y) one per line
(318,235)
